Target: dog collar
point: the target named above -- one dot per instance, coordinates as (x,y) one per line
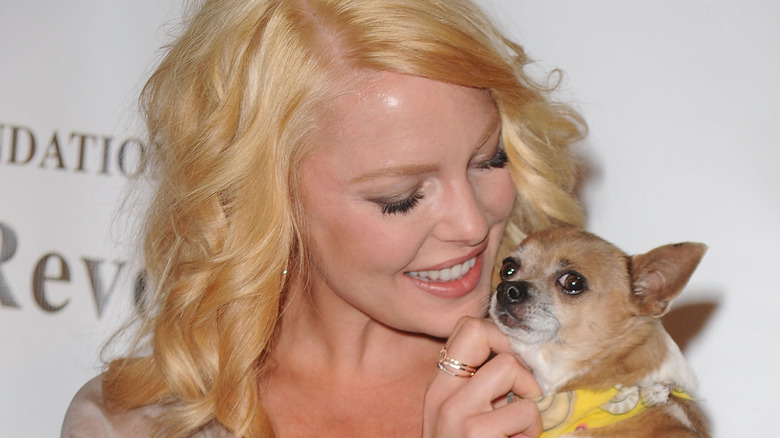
(585,409)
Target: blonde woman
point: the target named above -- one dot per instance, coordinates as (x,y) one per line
(335,182)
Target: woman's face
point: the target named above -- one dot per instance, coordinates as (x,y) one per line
(405,196)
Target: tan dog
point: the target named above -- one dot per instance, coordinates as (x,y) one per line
(583,316)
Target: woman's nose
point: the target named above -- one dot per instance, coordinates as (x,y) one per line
(464,218)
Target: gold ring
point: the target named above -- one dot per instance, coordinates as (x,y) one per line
(454,367)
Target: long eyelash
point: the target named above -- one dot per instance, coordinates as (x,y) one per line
(499,160)
(402,206)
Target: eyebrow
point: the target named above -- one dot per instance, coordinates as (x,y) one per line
(418,169)
(412,169)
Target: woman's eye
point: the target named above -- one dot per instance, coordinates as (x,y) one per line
(402,206)
(497,161)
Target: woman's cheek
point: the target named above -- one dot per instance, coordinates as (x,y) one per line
(499,193)
(384,243)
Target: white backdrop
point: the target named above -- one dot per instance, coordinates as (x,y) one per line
(681,98)
(70,75)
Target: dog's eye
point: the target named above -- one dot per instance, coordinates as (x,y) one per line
(572,283)
(509,268)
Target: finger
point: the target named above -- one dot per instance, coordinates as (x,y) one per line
(488,389)
(519,419)
(503,374)
(493,381)
(471,344)
(451,401)
(469,330)
(474,340)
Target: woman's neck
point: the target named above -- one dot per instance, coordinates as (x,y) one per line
(331,331)
(345,373)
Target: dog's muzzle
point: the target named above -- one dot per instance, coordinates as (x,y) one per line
(512,292)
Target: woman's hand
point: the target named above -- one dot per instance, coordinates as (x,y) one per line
(473,406)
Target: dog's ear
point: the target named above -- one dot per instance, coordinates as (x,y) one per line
(661,274)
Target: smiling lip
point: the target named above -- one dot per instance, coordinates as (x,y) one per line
(454,281)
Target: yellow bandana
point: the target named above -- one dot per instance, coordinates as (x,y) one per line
(584,409)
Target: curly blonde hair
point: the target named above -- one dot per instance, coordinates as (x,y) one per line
(228,111)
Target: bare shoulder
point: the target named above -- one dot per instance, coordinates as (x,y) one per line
(90,415)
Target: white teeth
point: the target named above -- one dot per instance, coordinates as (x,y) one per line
(446,274)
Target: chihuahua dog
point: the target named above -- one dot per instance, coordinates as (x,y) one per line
(584,318)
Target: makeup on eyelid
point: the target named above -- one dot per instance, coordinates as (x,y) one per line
(389,206)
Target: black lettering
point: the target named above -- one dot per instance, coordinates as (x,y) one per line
(53,151)
(98,289)
(2,137)
(40,278)
(131,148)
(8,245)
(106,154)
(82,148)
(16,134)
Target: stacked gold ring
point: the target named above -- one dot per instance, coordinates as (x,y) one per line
(454,367)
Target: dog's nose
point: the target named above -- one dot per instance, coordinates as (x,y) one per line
(512,292)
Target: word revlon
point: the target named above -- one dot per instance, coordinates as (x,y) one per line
(54,267)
